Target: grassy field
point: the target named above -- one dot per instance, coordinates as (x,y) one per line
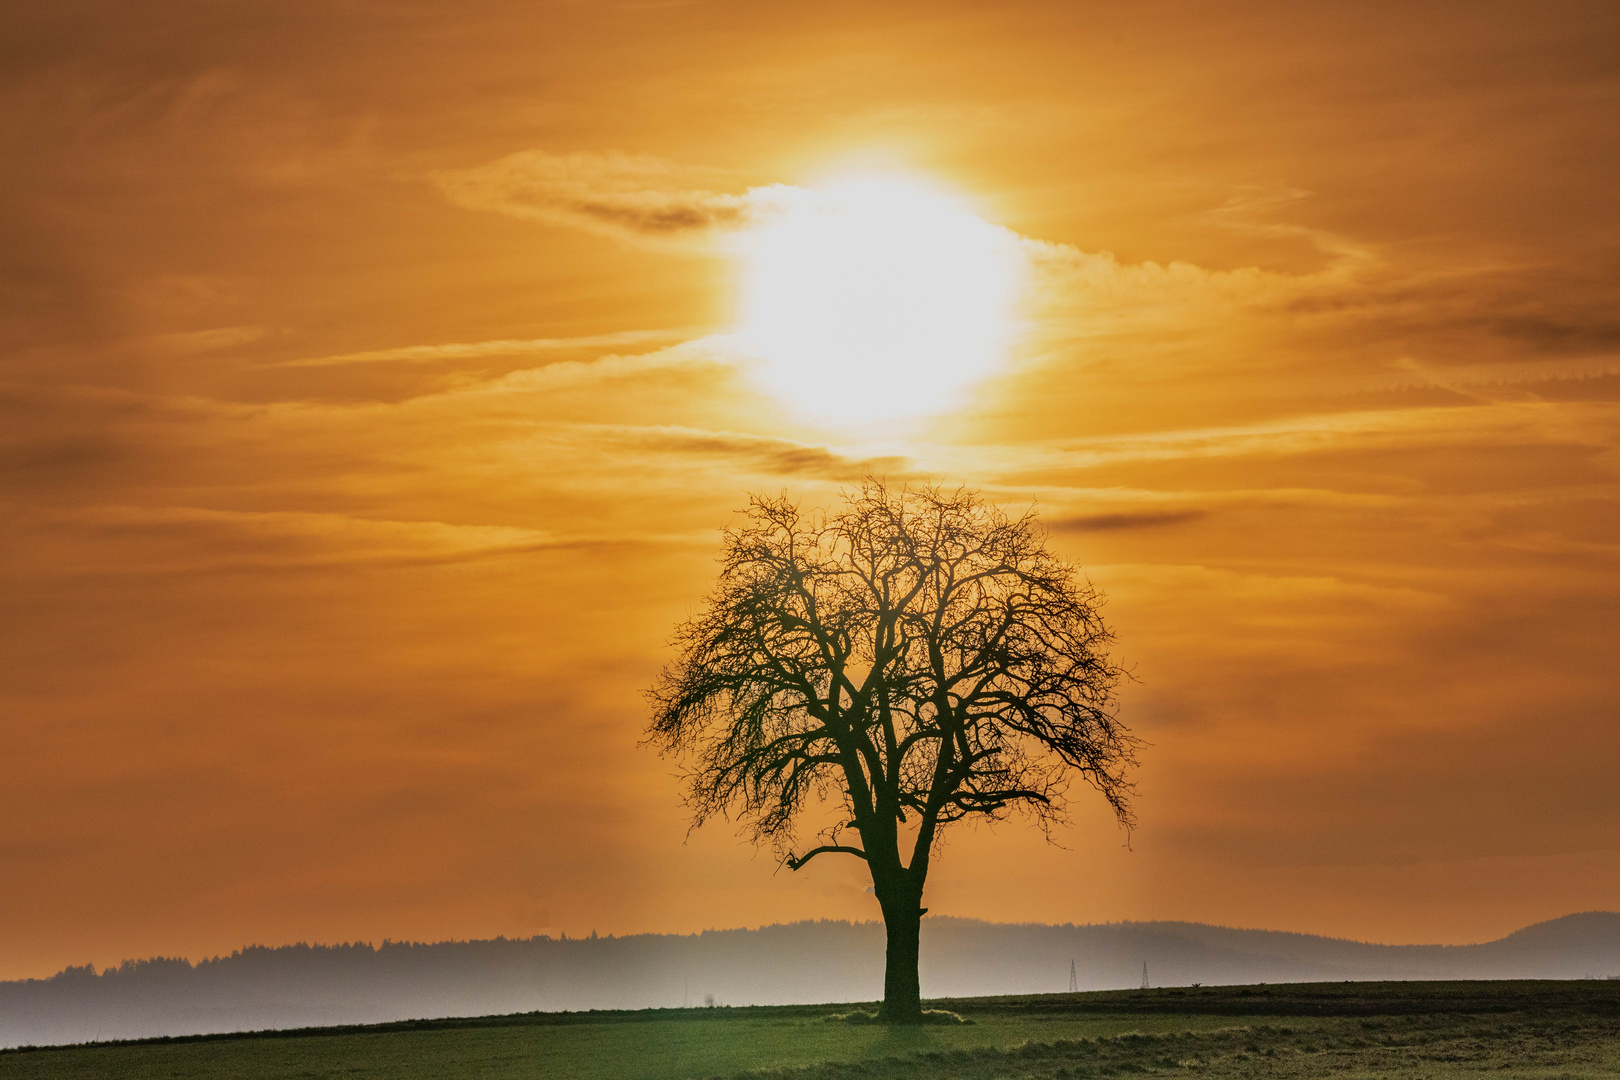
(1440,1030)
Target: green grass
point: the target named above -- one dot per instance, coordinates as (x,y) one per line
(1405,1030)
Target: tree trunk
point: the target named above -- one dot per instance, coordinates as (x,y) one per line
(902,919)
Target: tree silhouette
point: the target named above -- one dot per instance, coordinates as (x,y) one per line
(914,658)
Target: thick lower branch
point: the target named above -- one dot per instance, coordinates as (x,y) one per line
(796,861)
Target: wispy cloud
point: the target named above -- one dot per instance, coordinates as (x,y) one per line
(1138,519)
(427,354)
(191,540)
(715,350)
(633,197)
(775,456)
(1252,210)
(203,341)
(188,540)
(1584,424)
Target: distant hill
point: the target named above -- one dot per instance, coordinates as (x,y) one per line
(987,958)
(807,962)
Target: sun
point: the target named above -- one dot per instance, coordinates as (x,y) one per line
(876,296)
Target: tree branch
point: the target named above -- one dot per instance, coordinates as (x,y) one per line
(796,861)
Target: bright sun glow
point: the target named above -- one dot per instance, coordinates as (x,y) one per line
(876,296)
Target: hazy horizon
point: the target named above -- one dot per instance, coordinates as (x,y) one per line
(811,962)
(938,918)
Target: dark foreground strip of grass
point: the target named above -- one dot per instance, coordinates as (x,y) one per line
(1574,1046)
(1597,997)
(450,1023)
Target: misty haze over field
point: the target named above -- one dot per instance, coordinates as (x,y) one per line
(806,962)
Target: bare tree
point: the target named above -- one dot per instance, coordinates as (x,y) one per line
(914,658)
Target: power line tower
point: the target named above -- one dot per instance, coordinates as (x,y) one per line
(1074,980)
(1144,975)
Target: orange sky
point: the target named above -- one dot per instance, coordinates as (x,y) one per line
(362,438)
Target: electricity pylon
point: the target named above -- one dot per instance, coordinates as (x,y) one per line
(1074,981)
(1144,975)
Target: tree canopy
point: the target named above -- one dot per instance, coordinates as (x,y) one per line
(914,658)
